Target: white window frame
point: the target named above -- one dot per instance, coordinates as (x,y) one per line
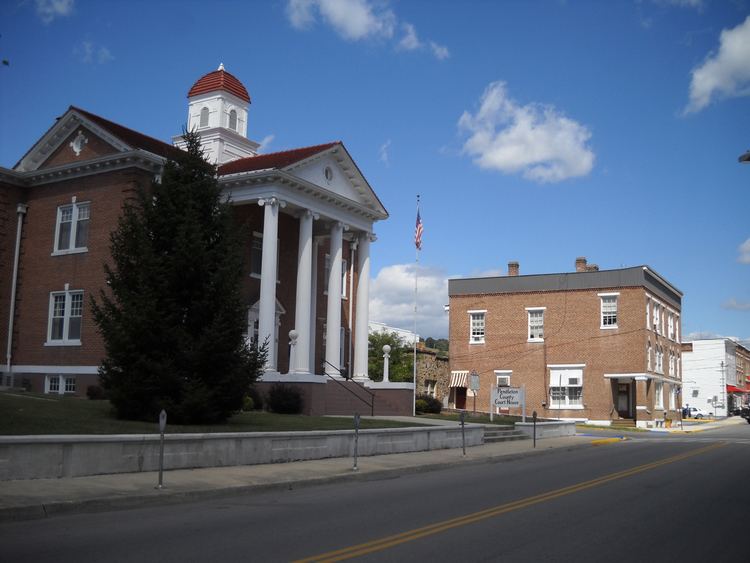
(60,384)
(648,313)
(672,397)
(670,325)
(76,211)
(430,387)
(649,362)
(67,315)
(530,312)
(658,395)
(257,238)
(474,329)
(558,379)
(205,112)
(229,119)
(657,318)
(602,312)
(503,377)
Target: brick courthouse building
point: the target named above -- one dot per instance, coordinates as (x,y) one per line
(310,215)
(590,345)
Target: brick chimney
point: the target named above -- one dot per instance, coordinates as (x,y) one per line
(581,264)
(513,268)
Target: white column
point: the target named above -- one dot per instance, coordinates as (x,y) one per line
(268,268)
(333,315)
(303,312)
(314,305)
(363,308)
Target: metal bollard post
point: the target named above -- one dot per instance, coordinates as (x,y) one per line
(533,418)
(356,440)
(162,427)
(463,431)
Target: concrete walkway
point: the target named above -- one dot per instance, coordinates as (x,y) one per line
(40,498)
(690,426)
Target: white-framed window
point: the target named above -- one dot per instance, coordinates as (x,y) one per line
(676,328)
(670,326)
(256,256)
(59,385)
(204,117)
(659,359)
(648,314)
(502,377)
(649,363)
(659,395)
(72,228)
(327,273)
(566,388)
(476,327)
(430,387)
(672,397)
(608,309)
(657,318)
(233,120)
(65,314)
(536,323)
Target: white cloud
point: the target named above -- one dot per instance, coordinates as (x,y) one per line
(351,19)
(536,139)
(440,52)
(49,10)
(697,4)
(723,74)
(392,299)
(265,143)
(410,41)
(89,53)
(357,20)
(734,305)
(384,156)
(744,250)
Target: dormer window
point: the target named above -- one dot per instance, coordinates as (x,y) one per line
(204,117)
(233,120)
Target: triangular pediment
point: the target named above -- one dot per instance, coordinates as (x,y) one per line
(79,136)
(72,139)
(335,171)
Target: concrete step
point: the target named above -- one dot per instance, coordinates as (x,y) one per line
(494,434)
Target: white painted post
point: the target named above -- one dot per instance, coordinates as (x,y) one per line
(386,359)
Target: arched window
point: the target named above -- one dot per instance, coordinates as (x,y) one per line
(204,117)
(233,120)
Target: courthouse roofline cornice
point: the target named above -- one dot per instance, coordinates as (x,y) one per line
(308,189)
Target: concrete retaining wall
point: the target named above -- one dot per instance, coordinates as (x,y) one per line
(547,429)
(43,457)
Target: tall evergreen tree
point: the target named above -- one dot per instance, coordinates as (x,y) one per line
(172,318)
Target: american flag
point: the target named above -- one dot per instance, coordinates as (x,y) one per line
(418,232)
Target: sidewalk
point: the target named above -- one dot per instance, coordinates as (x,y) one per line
(40,498)
(691,426)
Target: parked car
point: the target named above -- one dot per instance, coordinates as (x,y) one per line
(695,412)
(745,413)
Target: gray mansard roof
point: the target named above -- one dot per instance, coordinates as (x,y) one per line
(638,276)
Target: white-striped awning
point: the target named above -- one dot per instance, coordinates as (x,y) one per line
(459,378)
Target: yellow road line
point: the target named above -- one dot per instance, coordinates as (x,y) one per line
(436,528)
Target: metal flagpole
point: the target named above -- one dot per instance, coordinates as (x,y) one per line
(418,245)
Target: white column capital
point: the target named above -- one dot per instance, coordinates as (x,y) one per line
(272,201)
(308,213)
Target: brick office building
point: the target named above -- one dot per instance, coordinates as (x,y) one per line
(310,215)
(591,345)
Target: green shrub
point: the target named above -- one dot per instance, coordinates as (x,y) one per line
(284,399)
(96,393)
(257,398)
(248,404)
(428,404)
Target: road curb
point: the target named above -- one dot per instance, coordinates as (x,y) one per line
(604,441)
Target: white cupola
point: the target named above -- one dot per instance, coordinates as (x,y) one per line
(218,106)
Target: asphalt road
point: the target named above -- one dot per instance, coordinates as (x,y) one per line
(647,499)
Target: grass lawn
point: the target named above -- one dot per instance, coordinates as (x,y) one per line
(30,413)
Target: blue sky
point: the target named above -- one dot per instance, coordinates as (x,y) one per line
(534,131)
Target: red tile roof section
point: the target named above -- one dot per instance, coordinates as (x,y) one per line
(219,80)
(276,160)
(132,138)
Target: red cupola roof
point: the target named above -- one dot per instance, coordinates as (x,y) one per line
(219,80)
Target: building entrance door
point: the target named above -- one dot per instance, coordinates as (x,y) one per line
(623,400)
(460,397)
